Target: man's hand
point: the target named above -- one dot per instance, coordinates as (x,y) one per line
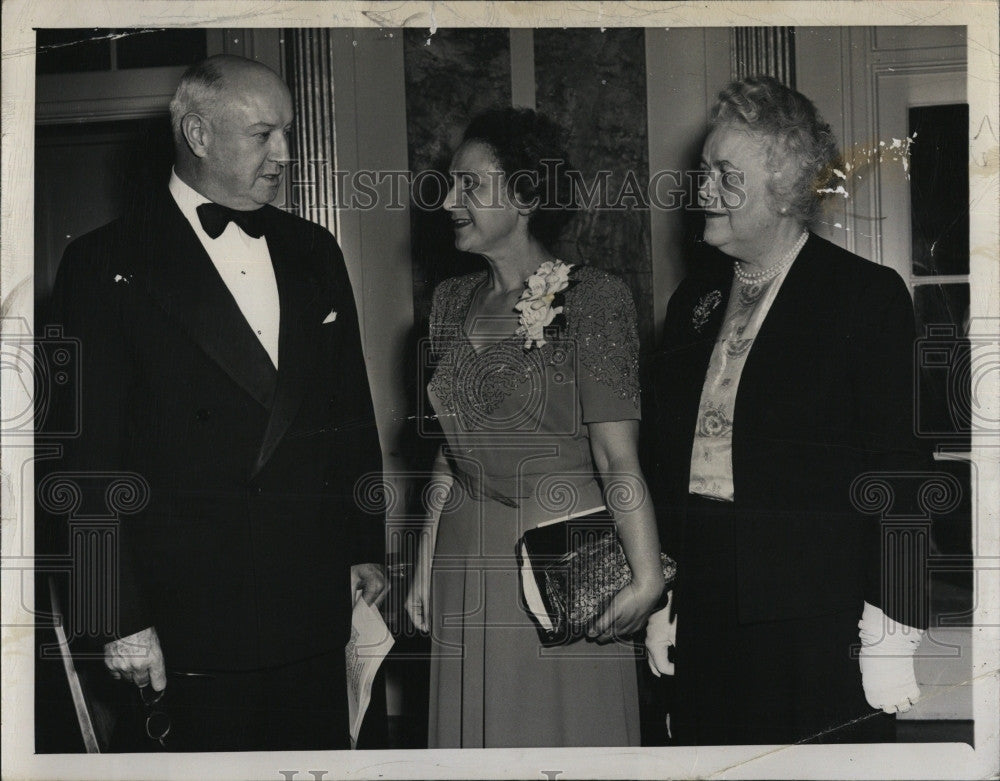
(370,578)
(137,658)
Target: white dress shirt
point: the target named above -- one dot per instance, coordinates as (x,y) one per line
(243,262)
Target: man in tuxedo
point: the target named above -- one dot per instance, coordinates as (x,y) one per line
(222,380)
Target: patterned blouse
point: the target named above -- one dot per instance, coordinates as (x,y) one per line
(515,418)
(712,454)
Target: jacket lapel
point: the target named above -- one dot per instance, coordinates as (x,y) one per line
(183,281)
(688,346)
(301,299)
(789,319)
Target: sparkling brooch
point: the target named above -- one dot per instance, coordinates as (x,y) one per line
(706,305)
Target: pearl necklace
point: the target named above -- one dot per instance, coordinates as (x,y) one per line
(756,277)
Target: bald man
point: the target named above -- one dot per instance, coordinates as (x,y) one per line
(222,365)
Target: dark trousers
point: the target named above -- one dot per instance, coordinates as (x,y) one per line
(775,682)
(299,706)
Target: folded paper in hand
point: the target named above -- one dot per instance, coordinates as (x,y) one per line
(570,571)
(370,642)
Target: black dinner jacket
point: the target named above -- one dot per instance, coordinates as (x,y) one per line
(825,396)
(237,539)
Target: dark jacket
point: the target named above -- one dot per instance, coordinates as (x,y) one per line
(239,522)
(826,396)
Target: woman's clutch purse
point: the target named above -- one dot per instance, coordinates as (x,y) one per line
(570,570)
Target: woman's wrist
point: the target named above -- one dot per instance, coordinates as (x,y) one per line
(648,588)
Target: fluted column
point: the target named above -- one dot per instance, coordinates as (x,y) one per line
(312,188)
(766,51)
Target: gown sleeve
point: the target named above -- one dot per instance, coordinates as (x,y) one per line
(601,326)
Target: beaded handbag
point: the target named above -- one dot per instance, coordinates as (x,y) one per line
(570,571)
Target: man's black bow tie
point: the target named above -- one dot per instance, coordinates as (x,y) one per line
(214,218)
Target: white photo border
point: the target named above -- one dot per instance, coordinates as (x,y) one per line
(893,761)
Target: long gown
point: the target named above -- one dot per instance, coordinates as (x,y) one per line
(515,421)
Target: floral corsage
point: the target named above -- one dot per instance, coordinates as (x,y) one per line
(703,310)
(541,301)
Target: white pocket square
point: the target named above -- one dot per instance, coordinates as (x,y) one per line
(330,317)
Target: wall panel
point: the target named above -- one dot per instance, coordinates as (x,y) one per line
(450,77)
(593,81)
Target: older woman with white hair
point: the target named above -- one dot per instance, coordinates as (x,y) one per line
(785,375)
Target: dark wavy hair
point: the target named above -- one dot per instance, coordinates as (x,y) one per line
(792,128)
(530,149)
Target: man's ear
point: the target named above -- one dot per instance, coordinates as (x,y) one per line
(194,128)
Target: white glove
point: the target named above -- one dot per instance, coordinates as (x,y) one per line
(661,634)
(887,651)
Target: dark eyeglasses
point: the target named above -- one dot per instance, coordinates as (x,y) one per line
(157,719)
(154,705)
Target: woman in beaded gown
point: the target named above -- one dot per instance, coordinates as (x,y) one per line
(539,426)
